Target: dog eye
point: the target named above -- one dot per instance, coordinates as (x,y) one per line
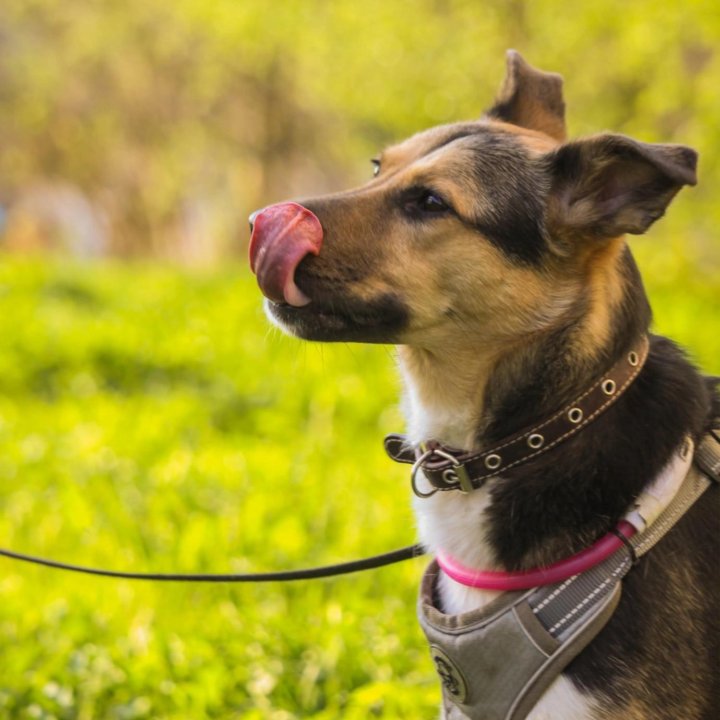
(422,202)
(431,203)
(427,202)
(376,167)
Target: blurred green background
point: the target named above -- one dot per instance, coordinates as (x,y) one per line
(150,418)
(140,127)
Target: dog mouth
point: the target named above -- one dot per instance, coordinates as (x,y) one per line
(344,320)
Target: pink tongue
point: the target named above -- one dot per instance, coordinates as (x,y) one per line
(282,236)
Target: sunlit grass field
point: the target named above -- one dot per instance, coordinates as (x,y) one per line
(151,420)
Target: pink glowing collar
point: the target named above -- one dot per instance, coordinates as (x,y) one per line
(646,509)
(559,571)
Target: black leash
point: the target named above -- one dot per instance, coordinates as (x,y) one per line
(376,561)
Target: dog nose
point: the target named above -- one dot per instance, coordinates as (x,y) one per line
(252,217)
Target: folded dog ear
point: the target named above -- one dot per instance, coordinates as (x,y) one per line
(608,185)
(530,98)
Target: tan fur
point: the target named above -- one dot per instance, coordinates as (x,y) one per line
(495,298)
(606,290)
(532,98)
(493,292)
(534,140)
(401,155)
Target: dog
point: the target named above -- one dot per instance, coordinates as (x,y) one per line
(493,254)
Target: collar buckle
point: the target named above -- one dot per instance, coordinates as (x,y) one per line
(458,474)
(453,477)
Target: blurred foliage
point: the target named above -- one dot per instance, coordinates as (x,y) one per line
(150,419)
(169,121)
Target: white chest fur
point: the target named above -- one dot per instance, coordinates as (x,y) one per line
(456,523)
(451,520)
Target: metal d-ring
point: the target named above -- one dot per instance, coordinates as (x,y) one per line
(413,475)
(459,477)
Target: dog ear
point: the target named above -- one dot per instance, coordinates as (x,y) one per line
(608,185)
(530,98)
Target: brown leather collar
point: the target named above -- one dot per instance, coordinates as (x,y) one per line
(451,469)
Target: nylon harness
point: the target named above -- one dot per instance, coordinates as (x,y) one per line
(495,663)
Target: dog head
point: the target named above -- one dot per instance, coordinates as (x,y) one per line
(490,229)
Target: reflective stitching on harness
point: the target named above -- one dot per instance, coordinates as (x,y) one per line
(555,593)
(588,598)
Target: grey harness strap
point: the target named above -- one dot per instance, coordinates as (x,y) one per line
(495,663)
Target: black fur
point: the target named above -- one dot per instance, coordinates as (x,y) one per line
(513,187)
(573,495)
(666,627)
(375,321)
(510,187)
(609,185)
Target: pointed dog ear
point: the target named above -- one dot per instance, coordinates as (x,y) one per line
(608,185)
(530,98)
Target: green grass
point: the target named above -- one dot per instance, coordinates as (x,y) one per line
(150,419)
